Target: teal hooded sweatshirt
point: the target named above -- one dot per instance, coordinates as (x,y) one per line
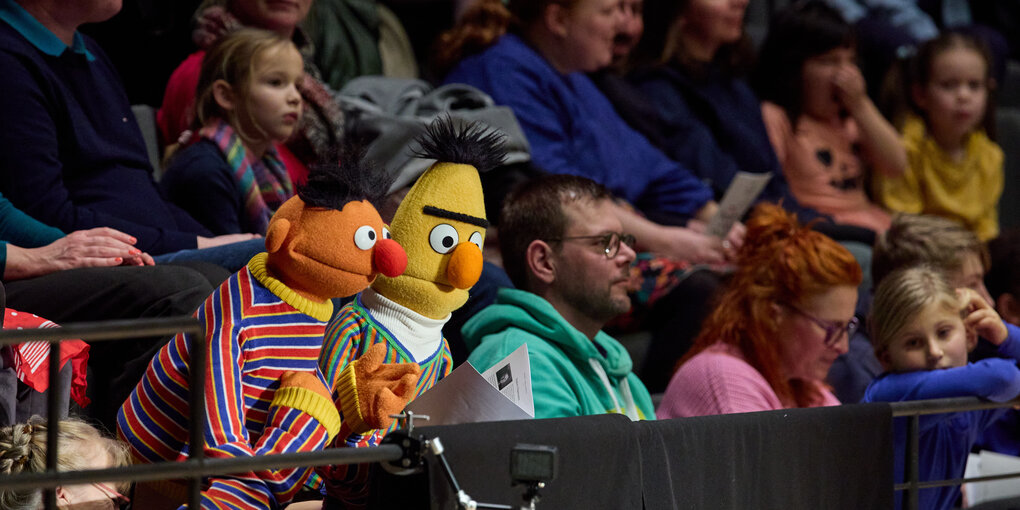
(570,374)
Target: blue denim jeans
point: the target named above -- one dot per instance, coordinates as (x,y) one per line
(232,256)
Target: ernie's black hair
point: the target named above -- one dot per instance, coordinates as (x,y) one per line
(470,144)
(345,176)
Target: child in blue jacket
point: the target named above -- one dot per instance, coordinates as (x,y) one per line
(922,332)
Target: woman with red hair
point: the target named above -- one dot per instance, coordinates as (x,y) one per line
(787,314)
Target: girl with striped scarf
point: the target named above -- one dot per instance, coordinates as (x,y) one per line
(231,178)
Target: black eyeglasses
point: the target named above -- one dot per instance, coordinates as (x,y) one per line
(610,241)
(833,329)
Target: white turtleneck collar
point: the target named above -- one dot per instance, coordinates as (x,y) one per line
(420,335)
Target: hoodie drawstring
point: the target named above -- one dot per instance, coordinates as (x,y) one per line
(631,408)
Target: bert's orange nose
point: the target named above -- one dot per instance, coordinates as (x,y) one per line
(465,265)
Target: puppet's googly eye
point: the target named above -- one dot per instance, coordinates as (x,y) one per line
(476,238)
(365,237)
(443,238)
(386,233)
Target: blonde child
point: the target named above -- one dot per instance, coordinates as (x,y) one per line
(80,446)
(954,169)
(922,330)
(825,130)
(231,179)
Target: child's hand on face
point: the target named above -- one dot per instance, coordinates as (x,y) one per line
(981,318)
(850,87)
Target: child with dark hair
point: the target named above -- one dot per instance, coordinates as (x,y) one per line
(954,169)
(825,130)
(1003,277)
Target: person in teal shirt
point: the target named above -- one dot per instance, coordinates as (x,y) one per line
(563,248)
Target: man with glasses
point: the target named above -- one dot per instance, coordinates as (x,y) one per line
(564,249)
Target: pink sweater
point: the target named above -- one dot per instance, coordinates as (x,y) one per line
(719,381)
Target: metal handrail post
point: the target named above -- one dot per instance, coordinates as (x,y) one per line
(52,422)
(196,399)
(912,462)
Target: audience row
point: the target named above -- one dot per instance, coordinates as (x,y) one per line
(637,126)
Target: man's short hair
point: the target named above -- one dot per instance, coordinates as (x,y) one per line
(534,210)
(914,240)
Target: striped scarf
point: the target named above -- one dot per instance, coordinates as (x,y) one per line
(263,184)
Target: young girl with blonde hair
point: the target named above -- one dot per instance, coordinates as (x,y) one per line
(231,179)
(81,447)
(922,329)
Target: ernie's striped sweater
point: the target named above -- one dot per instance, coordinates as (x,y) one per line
(256,329)
(347,337)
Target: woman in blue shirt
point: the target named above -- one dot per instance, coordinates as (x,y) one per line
(532,58)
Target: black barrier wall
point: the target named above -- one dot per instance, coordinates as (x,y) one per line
(833,458)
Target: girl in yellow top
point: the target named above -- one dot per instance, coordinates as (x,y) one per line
(954,169)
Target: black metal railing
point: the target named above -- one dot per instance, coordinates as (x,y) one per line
(913,411)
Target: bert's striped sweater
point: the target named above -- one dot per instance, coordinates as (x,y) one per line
(348,336)
(256,329)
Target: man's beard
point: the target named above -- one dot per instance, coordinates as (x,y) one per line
(599,304)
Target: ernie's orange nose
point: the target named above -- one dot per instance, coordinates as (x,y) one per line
(390,258)
(465,265)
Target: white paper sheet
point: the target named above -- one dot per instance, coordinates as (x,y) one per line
(989,463)
(512,377)
(465,396)
(744,189)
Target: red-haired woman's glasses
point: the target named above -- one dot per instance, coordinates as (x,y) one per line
(610,242)
(833,329)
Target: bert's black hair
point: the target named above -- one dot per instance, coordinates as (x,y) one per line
(345,176)
(471,144)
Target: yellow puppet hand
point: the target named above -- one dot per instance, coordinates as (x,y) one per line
(369,391)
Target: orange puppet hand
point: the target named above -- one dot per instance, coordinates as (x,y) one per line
(369,391)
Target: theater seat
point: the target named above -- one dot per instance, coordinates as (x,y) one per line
(145,115)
